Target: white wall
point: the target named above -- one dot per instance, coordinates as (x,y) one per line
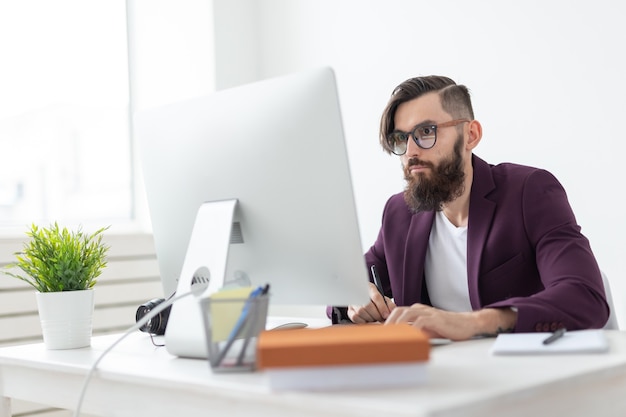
(171,58)
(548,80)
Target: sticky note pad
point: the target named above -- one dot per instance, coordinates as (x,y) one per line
(226,307)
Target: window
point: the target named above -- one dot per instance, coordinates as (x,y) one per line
(66,153)
(64,129)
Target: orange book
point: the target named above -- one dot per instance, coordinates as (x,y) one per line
(349,344)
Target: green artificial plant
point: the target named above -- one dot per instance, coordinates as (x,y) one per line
(56,259)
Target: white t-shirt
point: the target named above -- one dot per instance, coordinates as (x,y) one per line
(446,266)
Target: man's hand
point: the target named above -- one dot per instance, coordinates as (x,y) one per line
(375,310)
(455,326)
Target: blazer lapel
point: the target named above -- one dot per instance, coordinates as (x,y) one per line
(480,217)
(414,256)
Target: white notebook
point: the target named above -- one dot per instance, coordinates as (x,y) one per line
(577,341)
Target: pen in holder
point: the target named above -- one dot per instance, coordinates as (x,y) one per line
(232,326)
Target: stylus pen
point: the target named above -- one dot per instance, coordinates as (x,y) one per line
(378,283)
(252,329)
(554,336)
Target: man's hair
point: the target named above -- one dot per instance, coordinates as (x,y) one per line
(455,100)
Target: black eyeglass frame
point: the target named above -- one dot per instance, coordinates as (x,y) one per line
(397,137)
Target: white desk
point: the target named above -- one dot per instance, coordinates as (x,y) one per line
(138,379)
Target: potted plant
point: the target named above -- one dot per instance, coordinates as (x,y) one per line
(63,266)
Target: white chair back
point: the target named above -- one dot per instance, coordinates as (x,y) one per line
(611,324)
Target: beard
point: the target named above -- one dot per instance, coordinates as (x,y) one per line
(447,182)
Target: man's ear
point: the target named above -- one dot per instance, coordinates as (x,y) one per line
(475,134)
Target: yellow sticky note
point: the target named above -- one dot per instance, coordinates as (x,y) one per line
(226,307)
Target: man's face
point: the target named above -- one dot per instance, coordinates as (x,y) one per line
(434,176)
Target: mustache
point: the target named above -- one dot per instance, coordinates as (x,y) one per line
(416,161)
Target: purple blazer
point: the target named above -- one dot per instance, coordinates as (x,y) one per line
(524,250)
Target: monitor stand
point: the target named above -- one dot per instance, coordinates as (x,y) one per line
(203,273)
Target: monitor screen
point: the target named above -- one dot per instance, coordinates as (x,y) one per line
(276,147)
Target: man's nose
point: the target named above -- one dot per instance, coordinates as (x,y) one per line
(411,147)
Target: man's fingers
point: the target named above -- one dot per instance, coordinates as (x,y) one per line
(382,304)
(360,314)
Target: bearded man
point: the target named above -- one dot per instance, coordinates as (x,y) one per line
(469,248)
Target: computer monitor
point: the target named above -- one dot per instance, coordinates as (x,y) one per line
(277,148)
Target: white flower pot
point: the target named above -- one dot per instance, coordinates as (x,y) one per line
(66,318)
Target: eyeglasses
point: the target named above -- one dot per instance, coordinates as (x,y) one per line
(424,136)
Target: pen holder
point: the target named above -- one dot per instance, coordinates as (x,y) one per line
(232,326)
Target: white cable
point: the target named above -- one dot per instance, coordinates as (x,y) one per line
(159,308)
